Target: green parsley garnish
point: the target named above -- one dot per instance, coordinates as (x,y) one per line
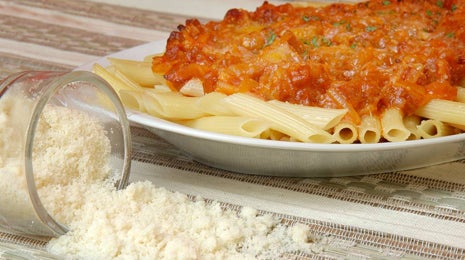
(326,41)
(348,27)
(370,28)
(305,54)
(440,3)
(270,39)
(450,35)
(386,2)
(315,42)
(307,18)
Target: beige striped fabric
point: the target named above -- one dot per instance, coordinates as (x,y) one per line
(403,215)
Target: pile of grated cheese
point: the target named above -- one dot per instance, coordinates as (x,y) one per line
(153,223)
(142,221)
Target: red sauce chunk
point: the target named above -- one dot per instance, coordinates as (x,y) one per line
(365,57)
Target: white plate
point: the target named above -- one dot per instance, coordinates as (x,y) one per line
(265,157)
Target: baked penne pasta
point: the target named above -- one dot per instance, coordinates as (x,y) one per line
(369,130)
(213,104)
(412,122)
(133,99)
(345,133)
(392,125)
(111,77)
(138,71)
(274,135)
(293,76)
(171,105)
(290,122)
(434,128)
(321,117)
(287,121)
(232,125)
(279,119)
(444,110)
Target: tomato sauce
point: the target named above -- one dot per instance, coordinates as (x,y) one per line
(365,57)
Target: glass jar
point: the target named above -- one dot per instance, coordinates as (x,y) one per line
(55,126)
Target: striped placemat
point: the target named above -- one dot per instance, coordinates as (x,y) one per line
(405,215)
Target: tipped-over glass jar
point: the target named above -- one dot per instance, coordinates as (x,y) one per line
(57,129)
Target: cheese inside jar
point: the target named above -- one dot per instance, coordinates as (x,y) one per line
(56,129)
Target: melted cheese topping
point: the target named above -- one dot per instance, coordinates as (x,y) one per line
(365,57)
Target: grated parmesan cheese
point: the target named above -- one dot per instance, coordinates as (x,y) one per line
(140,222)
(147,222)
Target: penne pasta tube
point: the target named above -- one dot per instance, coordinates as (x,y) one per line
(321,117)
(133,99)
(433,128)
(138,71)
(171,105)
(274,135)
(233,125)
(393,126)
(412,122)
(345,133)
(116,83)
(213,104)
(123,78)
(279,119)
(451,112)
(459,128)
(369,130)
